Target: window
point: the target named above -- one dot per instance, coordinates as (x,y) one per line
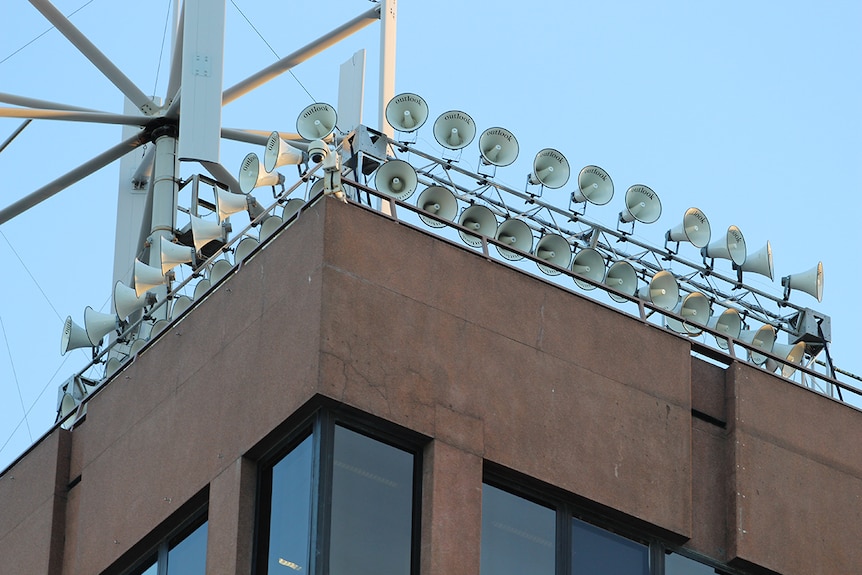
(184,553)
(521,535)
(517,535)
(341,499)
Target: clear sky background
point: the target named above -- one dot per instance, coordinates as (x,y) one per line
(749,111)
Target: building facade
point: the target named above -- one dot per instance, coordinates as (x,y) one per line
(362,397)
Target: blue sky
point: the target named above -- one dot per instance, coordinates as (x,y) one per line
(748,111)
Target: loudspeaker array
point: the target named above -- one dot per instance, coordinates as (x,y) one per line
(519,223)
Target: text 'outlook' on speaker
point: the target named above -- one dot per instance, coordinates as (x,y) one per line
(694,229)
(550,169)
(498,147)
(642,204)
(316,121)
(406,112)
(454,130)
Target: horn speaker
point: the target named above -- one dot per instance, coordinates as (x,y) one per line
(731,247)
(171,255)
(396,179)
(251,175)
(793,353)
(811,282)
(74,336)
(439,201)
(694,307)
(760,262)
(517,234)
(280,153)
(127,301)
(498,147)
(642,204)
(554,249)
(694,229)
(594,186)
(662,291)
(204,232)
(550,169)
(622,277)
(588,263)
(728,323)
(316,121)
(454,130)
(762,339)
(406,112)
(479,219)
(147,277)
(98,325)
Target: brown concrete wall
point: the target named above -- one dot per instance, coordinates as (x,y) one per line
(796,503)
(184,413)
(495,365)
(564,390)
(33,508)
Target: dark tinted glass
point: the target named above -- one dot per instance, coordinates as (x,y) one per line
(290,521)
(597,551)
(189,555)
(372,507)
(678,565)
(517,535)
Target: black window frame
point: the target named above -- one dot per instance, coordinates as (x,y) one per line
(156,545)
(569,506)
(319,423)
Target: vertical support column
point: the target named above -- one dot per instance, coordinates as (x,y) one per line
(451,511)
(388,25)
(164,201)
(230,542)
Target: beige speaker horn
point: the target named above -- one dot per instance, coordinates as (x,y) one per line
(280,153)
(406,112)
(730,247)
(396,179)
(622,276)
(762,339)
(172,255)
(98,325)
(316,121)
(550,169)
(811,282)
(642,204)
(147,278)
(73,337)
(439,201)
(553,249)
(728,323)
(251,175)
(694,229)
(589,263)
(479,219)
(517,234)
(662,291)
(695,308)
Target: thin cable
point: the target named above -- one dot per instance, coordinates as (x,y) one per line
(162,48)
(15,375)
(41,393)
(45,32)
(277,57)
(31,276)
